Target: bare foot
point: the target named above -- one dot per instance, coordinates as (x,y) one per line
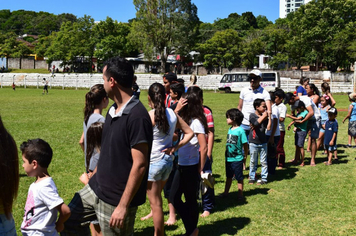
(170,221)
(204,214)
(195,232)
(147,217)
(312,164)
(302,164)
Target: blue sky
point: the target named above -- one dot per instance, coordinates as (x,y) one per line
(123,10)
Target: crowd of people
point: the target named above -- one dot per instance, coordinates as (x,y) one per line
(132,153)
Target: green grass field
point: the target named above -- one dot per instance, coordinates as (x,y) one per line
(306,200)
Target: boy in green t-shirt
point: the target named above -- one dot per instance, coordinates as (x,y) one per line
(234,156)
(300,131)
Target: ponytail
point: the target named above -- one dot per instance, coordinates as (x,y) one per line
(93,98)
(157,96)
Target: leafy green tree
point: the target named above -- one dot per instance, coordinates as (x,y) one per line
(262,22)
(252,45)
(74,41)
(12,47)
(42,44)
(112,40)
(163,27)
(275,38)
(316,26)
(206,31)
(29,22)
(233,21)
(250,18)
(222,50)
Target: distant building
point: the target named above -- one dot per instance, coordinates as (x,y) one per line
(287,6)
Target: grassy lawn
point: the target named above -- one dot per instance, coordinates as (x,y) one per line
(306,200)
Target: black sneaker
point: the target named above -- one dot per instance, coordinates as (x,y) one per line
(251,181)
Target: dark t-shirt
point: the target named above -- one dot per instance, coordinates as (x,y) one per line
(331,127)
(257,135)
(120,134)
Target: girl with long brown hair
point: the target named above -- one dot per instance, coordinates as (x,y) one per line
(191,161)
(96,100)
(164,122)
(9,180)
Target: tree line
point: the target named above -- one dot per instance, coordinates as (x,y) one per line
(320,33)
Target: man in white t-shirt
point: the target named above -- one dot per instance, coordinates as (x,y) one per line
(249,94)
(313,117)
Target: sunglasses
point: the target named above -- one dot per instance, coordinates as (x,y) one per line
(253,78)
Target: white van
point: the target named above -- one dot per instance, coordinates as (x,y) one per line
(235,81)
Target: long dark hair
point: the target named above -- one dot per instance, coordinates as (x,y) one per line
(9,170)
(157,95)
(93,98)
(94,133)
(315,89)
(193,109)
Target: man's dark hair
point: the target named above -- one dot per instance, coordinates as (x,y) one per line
(235,115)
(121,70)
(37,149)
(170,76)
(257,102)
(177,88)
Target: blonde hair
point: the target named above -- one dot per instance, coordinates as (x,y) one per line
(193,80)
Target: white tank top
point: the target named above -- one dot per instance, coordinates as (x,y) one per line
(163,140)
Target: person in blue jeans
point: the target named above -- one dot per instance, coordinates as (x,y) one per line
(260,121)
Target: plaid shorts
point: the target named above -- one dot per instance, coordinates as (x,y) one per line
(86,207)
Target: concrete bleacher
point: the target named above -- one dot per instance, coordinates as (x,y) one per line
(206,82)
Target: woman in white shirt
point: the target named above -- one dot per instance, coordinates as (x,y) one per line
(164,122)
(191,160)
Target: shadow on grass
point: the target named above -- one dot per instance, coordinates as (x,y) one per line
(223,203)
(146,231)
(321,160)
(229,226)
(286,173)
(217,140)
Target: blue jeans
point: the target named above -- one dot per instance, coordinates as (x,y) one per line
(7,226)
(256,149)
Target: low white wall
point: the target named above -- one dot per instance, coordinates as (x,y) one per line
(207,82)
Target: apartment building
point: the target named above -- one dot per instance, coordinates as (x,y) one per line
(287,6)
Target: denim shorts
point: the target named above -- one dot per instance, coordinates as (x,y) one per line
(314,127)
(161,169)
(234,168)
(330,148)
(7,226)
(299,138)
